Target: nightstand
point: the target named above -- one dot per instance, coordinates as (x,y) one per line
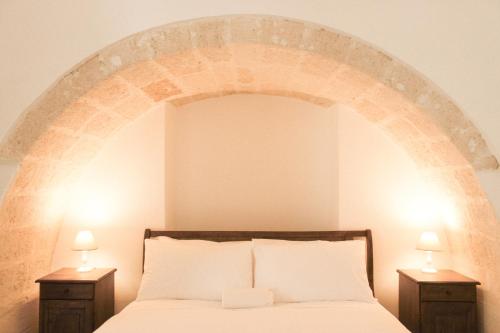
(443,302)
(73,302)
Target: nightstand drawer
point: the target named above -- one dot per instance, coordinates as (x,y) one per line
(448,292)
(66,316)
(67,291)
(448,317)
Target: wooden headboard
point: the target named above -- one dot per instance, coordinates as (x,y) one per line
(228,236)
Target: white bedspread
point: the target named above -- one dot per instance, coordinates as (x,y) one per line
(175,316)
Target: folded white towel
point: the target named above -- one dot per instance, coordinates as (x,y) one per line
(246,298)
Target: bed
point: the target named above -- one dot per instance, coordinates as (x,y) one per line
(171,315)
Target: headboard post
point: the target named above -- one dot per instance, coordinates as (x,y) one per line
(369,259)
(227,236)
(147,235)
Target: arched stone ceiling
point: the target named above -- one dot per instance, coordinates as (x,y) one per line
(188,61)
(192,60)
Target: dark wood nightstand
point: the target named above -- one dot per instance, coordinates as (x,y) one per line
(444,302)
(73,302)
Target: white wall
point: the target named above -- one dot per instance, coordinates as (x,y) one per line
(242,162)
(380,188)
(313,168)
(252,162)
(120,193)
(454,43)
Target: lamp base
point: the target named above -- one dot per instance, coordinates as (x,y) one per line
(429,270)
(84,269)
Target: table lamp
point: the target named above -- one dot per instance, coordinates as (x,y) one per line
(429,242)
(84,242)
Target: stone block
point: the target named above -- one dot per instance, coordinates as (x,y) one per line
(368,60)
(33,175)
(225,76)
(318,66)
(133,106)
(12,278)
(347,85)
(480,250)
(133,49)
(109,92)
(488,162)
(184,63)
(52,144)
(31,209)
(424,124)
(390,99)
(467,180)
(169,39)
(419,150)
(247,55)
(326,42)
(103,124)
(161,90)
(15,211)
(278,79)
(76,115)
(64,175)
(448,154)
(371,111)
(245,75)
(37,119)
(83,150)
(17,243)
(178,102)
(482,217)
(303,83)
(212,33)
(407,81)
(274,55)
(216,54)
(282,31)
(198,83)
(245,29)
(143,74)
(320,101)
(88,73)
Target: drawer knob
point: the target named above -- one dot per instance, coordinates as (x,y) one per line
(448,293)
(66,291)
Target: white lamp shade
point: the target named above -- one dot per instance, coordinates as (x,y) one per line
(429,241)
(84,241)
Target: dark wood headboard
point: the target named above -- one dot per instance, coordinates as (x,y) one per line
(228,236)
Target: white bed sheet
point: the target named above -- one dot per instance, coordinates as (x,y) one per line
(176,316)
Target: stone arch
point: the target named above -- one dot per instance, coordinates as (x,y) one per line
(188,61)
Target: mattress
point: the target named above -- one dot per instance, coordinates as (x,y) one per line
(187,316)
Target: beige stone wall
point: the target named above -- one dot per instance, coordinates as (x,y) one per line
(189,61)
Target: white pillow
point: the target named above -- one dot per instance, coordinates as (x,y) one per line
(201,242)
(199,270)
(264,241)
(246,298)
(312,271)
